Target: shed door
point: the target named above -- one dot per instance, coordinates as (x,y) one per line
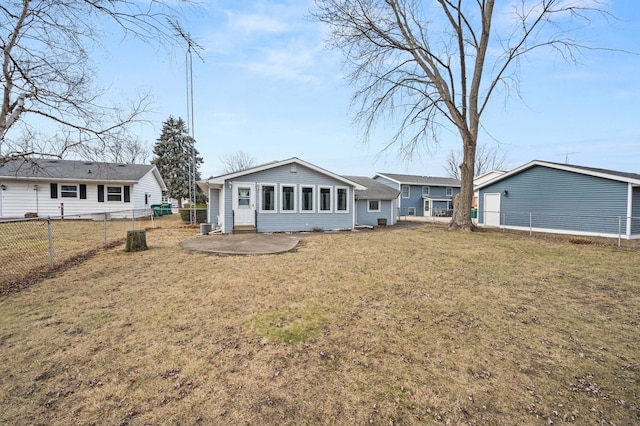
(492,209)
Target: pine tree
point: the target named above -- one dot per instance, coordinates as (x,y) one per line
(174,158)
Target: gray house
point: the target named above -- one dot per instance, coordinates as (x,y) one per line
(282,196)
(422,195)
(378,202)
(562,198)
(65,187)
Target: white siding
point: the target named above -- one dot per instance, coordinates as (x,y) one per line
(20,197)
(147,185)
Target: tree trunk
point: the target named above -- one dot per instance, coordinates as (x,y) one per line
(136,241)
(461,218)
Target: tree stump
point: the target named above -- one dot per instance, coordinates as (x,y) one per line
(136,240)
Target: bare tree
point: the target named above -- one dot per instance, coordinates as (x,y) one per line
(487,159)
(47,77)
(124,150)
(436,64)
(236,162)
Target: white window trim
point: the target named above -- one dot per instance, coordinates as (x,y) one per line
(449,191)
(346,188)
(423,191)
(369,210)
(77,197)
(313,198)
(408,191)
(295,198)
(275,198)
(330,188)
(411,209)
(106,194)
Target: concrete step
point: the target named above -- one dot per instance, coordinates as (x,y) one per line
(244,229)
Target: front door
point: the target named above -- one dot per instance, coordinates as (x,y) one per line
(244,205)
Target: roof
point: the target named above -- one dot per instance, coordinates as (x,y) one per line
(220,180)
(633,178)
(485,177)
(78,171)
(375,190)
(419,180)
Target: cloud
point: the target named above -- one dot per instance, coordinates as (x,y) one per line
(290,62)
(256,23)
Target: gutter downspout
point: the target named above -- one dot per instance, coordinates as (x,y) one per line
(629,210)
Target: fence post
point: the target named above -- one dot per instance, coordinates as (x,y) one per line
(619,229)
(530,224)
(51,264)
(105,229)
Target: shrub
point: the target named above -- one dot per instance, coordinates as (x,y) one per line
(201,213)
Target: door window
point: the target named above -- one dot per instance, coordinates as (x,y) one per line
(244,198)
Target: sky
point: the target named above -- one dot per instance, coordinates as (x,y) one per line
(266,83)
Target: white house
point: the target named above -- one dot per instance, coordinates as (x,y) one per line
(68,188)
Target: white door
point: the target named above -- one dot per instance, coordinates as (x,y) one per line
(427,207)
(492,209)
(244,205)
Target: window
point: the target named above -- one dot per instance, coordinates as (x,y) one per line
(449,192)
(244,197)
(406,193)
(411,211)
(324,205)
(288,198)
(341,199)
(114,193)
(307,199)
(268,198)
(68,191)
(450,205)
(373,206)
(425,191)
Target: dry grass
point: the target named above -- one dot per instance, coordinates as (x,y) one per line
(24,246)
(417,326)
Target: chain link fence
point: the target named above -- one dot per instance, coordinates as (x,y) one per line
(30,246)
(618,227)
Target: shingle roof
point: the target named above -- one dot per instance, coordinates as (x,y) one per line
(375,190)
(73,170)
(421,180)
(597,170)
(633,178)
(217,180)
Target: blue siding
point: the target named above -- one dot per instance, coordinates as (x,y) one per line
(214,205)
(298,221)
(387,211)
(414,200)
(560,200)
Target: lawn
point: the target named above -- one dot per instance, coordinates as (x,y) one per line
(412,326)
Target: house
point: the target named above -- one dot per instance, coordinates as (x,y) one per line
(562,198)
(281,196)
(422,195)
(375,204)
(69,188)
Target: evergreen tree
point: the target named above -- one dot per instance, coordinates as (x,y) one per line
(174,159)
